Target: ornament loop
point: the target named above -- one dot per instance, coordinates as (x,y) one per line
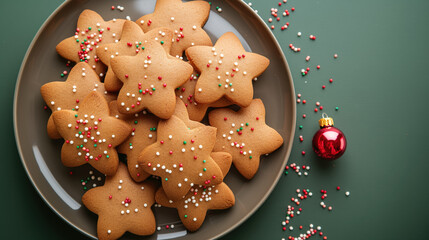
(324,115)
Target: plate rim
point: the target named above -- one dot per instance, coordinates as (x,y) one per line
(233,226)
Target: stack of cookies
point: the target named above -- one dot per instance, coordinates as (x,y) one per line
(131,92)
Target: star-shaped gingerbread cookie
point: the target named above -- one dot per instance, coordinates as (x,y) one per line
(150,79)
(196,110)
(181,157)
(186,19)
(144,134)
(122,205)
(193,207)
(245,135)
(132,38)
(67,95)
(91,31)
(91,135)
(226,70)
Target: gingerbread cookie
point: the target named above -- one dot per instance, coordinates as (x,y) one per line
(193,207)
(181,157)
(91,135)
(196,110)
(143,134)
(186,19)
(67,95)
(150,79)
(245,135)
(132,38)
(122,205)
(91,30)
(226,70)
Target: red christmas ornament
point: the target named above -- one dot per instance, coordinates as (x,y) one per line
(329,142)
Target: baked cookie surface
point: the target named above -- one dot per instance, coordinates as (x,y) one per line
(181,157)
(226,70)
(150,79)
(245,135)
(122,205)
(90,31)
(185,19)
(91,135)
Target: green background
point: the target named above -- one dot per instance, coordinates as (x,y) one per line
(380,85)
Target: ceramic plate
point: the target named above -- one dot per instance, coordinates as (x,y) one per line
(62,191)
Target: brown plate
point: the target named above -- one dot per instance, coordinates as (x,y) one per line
(62,191)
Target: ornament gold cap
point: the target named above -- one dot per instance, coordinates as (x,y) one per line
(326,121)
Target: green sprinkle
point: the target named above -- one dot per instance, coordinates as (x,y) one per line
(186,216)
(84,188)
(135,122)
(204,169)
(131,144)
(336,108)
(166,179)
(162,42)
(77,147)
(153,89)
(247,124)
(204,161)
(137,46)
(89,28)
(107,156)
(75,115)
(238,130)
(286,172)
(62,74)
(220,85)
(250,157)
(80,132)
(77,40)
(72,109)
(95,145)
(140,43)
(230,84)
(140,91)
(241,128)
(300,126)
(184,142)
(142,48)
